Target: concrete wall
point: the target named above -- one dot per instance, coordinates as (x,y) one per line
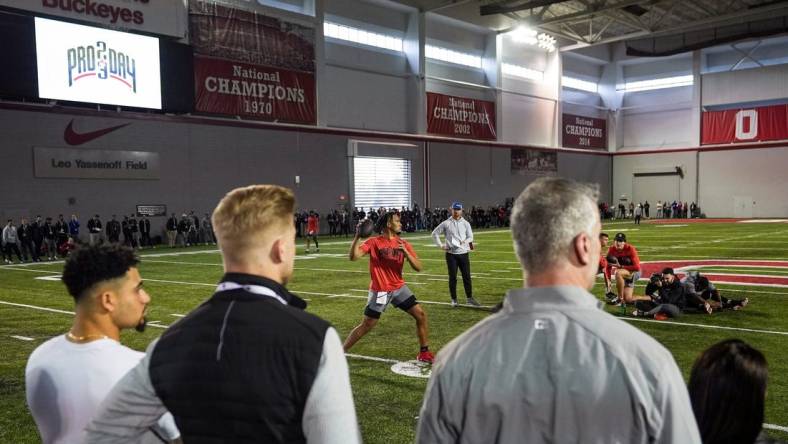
(201,161)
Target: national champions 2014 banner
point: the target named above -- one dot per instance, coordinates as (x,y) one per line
(584,132)
(460,117)
(757,124)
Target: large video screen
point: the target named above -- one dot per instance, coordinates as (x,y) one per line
(86,64)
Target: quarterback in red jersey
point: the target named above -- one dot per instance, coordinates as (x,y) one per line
(623,257)
(387,254)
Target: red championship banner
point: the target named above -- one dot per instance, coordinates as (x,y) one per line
(584,132)
(745,125)
(255,91)
(460,117)
(247,36)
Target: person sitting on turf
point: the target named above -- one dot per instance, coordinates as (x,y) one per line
(604,268)
(727,388)
(68,376)
(623,257)
(249,364)
(657,307)
(682,295)
(706,290)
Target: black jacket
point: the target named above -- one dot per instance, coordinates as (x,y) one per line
(239,368)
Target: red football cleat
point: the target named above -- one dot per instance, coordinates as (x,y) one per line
(661,317)
(426,356)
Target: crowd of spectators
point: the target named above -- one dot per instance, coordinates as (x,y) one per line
(662,210)
(343,222)
(45,239)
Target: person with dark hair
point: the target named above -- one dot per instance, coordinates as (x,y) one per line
(68,376)
(387,254)
(10,242)
(37,231)
(25,234)
(459,242)
(172,230)
(312,230)
(627,270)
(94,230)
(604,267)
(50,236)
(681,294)
(249,364)
(113,230)
(144,225)
(727,388)
(658,307)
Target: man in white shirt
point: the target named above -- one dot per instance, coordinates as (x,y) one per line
(459,241)
(69,375)
(249,364)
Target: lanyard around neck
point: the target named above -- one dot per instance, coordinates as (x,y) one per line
(256,289)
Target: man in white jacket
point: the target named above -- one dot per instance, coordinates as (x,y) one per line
(459,241)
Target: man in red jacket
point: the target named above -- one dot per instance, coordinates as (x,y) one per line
(623,257)
(312,228)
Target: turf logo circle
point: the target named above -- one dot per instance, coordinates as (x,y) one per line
(413,369)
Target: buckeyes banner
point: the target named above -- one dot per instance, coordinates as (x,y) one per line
(460,117)
(254,91)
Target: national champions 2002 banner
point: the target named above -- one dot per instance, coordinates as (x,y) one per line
(460,117)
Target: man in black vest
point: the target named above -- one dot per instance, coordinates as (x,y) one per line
(249,364)
(94,230)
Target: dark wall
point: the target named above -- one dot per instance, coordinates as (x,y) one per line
(201,162)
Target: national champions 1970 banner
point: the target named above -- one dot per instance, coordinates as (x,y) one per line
(252,65)
(460,117)
(757,124)
(255,91)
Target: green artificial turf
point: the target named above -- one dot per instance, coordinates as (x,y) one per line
(388,403)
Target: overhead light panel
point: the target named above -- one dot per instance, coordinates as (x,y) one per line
(530,36)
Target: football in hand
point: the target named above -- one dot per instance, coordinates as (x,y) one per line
(365,228)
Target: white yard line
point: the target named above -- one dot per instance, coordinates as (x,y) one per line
(22,338)
(718,327)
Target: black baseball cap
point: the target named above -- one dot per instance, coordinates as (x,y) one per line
(621,237)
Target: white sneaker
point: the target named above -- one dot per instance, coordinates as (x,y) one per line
(454,303)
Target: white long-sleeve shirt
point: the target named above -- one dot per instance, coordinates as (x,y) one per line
(329,414)
(458,234)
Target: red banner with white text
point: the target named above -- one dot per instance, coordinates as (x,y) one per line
(584,132)
(745,125)
(460,117)
(254,91)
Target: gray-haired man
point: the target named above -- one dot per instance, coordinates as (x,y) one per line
(551,366)
(459,242)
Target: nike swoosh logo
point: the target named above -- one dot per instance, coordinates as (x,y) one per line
(74,138)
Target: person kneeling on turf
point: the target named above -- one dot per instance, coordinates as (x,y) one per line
(706,290)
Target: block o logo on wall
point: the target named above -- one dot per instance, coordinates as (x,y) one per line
(746,124)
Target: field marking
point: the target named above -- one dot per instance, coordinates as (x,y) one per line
(53,278)
(22,338)
(775,427)
(720,327)
(372,358)
(178,315)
